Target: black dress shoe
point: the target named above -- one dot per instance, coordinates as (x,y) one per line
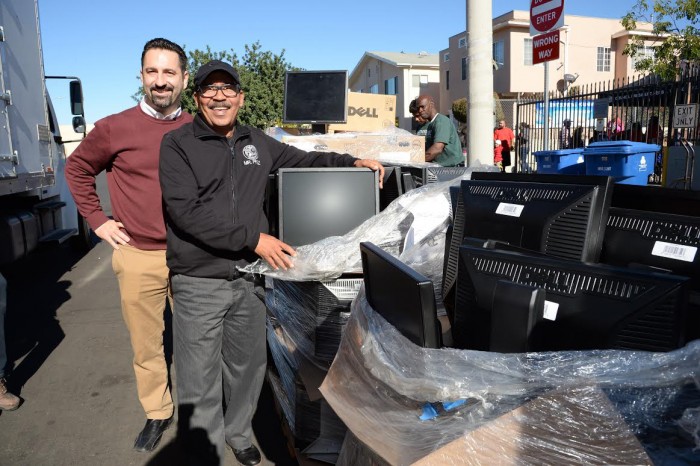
(151,433)
(248,456)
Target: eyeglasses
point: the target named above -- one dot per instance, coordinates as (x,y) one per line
(227,90)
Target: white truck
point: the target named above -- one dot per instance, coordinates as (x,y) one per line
(35,204)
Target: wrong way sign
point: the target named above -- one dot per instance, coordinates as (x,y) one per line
(546,15)
(545,47)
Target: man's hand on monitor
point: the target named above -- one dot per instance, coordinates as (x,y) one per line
(372,165)
(275,252)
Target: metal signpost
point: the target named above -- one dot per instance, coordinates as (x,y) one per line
(546,17)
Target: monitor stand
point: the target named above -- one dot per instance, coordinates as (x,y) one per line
(318,128)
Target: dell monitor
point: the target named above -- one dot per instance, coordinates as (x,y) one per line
(401,295)
(659,229)
(316,97)
(559,215)
(584,306)
(441,174)
(315,203)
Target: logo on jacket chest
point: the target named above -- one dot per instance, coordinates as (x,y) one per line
(250,152)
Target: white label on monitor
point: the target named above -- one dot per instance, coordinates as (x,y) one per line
(550,310)
(674,251)
(512,210)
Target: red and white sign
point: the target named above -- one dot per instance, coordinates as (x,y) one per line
(546,15)
(545,47)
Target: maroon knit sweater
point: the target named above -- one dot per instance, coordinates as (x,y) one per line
(127,145)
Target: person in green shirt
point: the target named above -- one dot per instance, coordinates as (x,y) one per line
(421,123)
(441,141)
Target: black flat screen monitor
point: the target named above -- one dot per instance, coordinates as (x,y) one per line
(315,203)
(315,97)
(584,307)
(562,216)
(401,295)
(440,174)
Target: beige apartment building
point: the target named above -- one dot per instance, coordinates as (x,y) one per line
(405,75)
(590,51)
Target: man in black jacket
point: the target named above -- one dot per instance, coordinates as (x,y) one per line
(213,174)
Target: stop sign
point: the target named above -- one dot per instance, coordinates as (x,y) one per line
(546,15)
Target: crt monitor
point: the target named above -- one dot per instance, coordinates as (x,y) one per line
(559,215)
(315,203)
(315,97)
(584,306)
(401,295)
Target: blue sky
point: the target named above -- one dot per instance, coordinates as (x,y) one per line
(101,41)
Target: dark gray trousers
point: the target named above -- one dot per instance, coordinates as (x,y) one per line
(219,332)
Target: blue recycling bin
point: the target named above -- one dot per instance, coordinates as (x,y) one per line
(562,161)
(628,162)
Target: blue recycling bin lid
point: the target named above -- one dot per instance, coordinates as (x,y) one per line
(558,152)
(620,148)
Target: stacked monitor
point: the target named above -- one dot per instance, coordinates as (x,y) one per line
(401,295)
(316,203)
(522,269)
(562,216)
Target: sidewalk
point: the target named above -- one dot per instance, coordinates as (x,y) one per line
(73,371)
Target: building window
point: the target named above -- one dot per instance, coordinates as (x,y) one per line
(464,69)
(645,51)
(603,59)
(374,89)
(391,86)
(446,57)
(369,73)
(462,42)
(447,80)
(498,55)
(527,51)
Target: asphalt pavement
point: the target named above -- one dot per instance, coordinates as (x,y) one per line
(72,368)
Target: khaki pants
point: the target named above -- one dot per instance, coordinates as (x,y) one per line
(143,285)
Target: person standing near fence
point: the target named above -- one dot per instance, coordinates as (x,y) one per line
(507,138)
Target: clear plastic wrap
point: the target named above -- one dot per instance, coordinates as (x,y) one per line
(421,213)
(589,406)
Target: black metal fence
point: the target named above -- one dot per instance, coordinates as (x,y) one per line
(636,108)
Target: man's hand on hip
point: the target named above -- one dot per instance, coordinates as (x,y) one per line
(111,232)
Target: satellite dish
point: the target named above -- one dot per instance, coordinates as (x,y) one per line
(561,86)
(569,78)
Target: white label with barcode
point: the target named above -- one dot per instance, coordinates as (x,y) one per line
(550,310)
(674,251)
(512,210)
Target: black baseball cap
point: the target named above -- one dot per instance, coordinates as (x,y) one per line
(215,65)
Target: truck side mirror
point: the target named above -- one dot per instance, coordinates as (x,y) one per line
(79,124)
(76,99)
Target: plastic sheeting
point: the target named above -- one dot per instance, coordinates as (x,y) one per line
(380,381)
(421,215)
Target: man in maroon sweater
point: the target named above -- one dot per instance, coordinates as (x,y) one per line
(127,145)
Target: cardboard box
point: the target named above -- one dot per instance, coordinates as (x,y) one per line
(368,112)
(403,147)
(560,427)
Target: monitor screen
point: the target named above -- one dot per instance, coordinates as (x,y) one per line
(315,97)
(315,203)
(562,216)
(585,306)
(402,296)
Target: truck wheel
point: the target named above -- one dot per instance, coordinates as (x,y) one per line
(83,241)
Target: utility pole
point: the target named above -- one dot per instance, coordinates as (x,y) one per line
(480,82)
